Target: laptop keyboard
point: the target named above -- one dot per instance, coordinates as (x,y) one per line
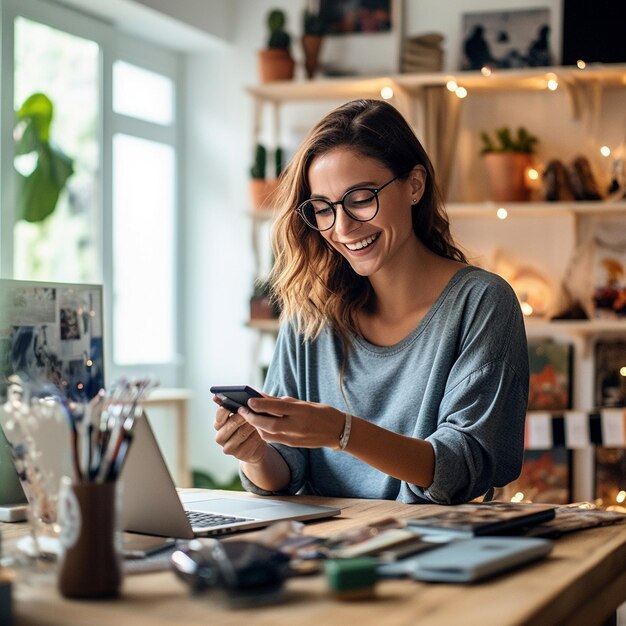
(198,519)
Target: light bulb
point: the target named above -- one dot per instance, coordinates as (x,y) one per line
(386,93)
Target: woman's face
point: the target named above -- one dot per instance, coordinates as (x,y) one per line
(367,246)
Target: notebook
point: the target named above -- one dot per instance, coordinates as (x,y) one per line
(152,505)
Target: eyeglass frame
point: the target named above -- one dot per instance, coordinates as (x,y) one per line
(333,205)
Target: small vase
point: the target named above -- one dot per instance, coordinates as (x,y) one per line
(311,45)
(507,173)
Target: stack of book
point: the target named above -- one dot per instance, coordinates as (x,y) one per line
(422,53)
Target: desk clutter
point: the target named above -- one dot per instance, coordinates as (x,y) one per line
(461,544)
(78,513)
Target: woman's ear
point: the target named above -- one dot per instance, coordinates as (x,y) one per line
(417,178)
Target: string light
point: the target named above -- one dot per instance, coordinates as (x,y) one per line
(533,174)
(502,213)
(622,371)
(452,85)
(581,64)
(605,151)
(386,93)
(620,497)
(485,70)
(553,84)
(460,92)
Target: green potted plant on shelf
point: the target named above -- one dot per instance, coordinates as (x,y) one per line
(275,61)
(313,31)
(262,188)
(508,157)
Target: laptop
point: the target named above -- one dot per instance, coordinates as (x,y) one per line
(53,332)
(152,505)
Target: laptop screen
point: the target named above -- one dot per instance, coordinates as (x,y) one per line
(52,333)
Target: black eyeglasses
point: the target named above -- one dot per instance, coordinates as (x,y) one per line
(360,204)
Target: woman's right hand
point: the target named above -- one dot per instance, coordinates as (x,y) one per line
(238,438)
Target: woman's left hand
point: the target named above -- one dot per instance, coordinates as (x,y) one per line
(294,422)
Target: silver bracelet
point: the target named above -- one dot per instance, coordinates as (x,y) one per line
(345,435)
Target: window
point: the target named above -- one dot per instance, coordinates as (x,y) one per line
(115,101)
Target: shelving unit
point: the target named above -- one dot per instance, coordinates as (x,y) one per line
(586,89)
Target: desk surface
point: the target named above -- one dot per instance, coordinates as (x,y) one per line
(583,581)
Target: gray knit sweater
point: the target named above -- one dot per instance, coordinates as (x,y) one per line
(458,380)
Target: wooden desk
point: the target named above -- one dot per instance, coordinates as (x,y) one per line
(582,582)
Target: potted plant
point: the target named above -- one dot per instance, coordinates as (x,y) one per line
(313,29)
(507,159)
(261,188)
(276,62)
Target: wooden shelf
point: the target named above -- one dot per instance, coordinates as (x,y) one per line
(536,328)
(533,209)
(524,79)
(264,326)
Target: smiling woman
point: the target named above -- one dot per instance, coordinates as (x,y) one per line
(400,371)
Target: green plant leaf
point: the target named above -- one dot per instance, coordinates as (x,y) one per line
(38,193)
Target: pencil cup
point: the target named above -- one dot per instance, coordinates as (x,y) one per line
(90,564)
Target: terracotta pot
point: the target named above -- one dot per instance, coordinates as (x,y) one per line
(311,45)
(261,193)
(275,64)
(507,176)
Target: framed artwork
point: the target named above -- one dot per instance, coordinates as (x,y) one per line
(356,16)
(610,476)
(550,385)
(546,477)
(363,37)
(610,373)
(506,39)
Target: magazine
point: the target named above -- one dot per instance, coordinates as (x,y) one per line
(483,518)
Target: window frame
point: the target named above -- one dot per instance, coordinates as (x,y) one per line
(114,45)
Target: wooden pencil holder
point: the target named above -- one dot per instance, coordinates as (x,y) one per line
(90,565)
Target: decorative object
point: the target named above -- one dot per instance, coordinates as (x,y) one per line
(422,53)
(546,477)
(38,187)
(356,16)
(262,305)
(506,39)
(609,379)
(550,387)
(610,478)
(275,61)
(313,28)
(508,159)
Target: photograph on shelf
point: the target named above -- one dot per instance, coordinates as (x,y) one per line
(610,373)
(550,385)
(546,477)
(356,16)
(506,39)
(610,477)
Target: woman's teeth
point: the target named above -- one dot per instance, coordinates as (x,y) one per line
(359,245)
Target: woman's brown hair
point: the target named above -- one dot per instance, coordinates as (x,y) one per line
(315,286)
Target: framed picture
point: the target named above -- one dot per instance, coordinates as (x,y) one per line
(546,477)
(609,378)
(550,385)
(356,16)
(610,476)
(506,39)
(363,37)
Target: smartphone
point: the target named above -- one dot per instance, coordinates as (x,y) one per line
(236,396)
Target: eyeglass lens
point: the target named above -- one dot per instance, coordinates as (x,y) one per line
(359,204)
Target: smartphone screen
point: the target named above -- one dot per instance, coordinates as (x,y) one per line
(236,396)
